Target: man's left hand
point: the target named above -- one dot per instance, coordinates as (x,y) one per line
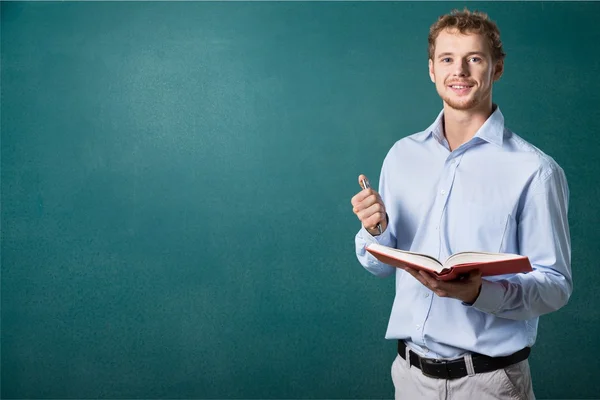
(466,289)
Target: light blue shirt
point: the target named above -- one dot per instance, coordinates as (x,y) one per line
(495,193)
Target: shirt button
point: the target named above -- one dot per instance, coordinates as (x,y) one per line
(418,327)
(425,350)
(426,294)
(443,192)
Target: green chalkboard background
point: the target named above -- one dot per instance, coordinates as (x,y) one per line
(176,184)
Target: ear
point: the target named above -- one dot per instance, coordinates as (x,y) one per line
(431,73)
(498,70)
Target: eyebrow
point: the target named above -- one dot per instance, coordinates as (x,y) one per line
(479,53)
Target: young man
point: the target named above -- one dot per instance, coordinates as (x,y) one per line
(467,183)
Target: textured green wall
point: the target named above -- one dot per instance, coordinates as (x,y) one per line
(176,184)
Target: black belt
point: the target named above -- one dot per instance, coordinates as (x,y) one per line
(454,369)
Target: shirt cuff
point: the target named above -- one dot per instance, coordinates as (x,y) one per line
(490,298)
(385,238)
(372,264)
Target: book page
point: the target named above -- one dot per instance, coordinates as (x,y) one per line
(477,257)
(410,257)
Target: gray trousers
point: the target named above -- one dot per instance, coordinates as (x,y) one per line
(511,383)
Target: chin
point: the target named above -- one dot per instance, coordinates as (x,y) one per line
(462,105)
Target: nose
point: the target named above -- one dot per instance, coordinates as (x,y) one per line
(461,69)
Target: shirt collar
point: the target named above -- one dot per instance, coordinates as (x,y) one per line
(491,131)
(433,129)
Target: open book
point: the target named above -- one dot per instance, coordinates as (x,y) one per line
(455,265)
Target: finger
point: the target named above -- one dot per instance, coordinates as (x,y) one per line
(411,271)
(416,275)
(440,288)
(363,195)
(428,276)
(375,209)
(371,217)
(362,179)
(467,278)
(475,275)
(357,200)
(435,284)
(367,202)
(432,282)
(372,221)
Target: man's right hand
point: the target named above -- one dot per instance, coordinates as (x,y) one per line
(369,208)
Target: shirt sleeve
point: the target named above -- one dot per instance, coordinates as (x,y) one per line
(372,264)
(543,236)
(363,237)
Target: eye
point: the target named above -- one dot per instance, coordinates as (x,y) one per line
(475,59)
(446,60)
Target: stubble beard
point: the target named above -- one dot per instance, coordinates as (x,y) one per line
(462,106)
(471,102)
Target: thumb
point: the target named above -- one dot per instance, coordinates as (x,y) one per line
(363,181)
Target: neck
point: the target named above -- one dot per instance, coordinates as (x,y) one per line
(461,125)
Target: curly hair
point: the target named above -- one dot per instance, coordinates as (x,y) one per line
(468,22)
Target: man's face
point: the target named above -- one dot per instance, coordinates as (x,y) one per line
(463,71)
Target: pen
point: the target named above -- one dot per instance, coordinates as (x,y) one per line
(365,185)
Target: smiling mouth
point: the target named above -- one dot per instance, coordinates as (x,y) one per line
(460,86)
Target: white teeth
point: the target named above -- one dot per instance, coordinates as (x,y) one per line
(459,87)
